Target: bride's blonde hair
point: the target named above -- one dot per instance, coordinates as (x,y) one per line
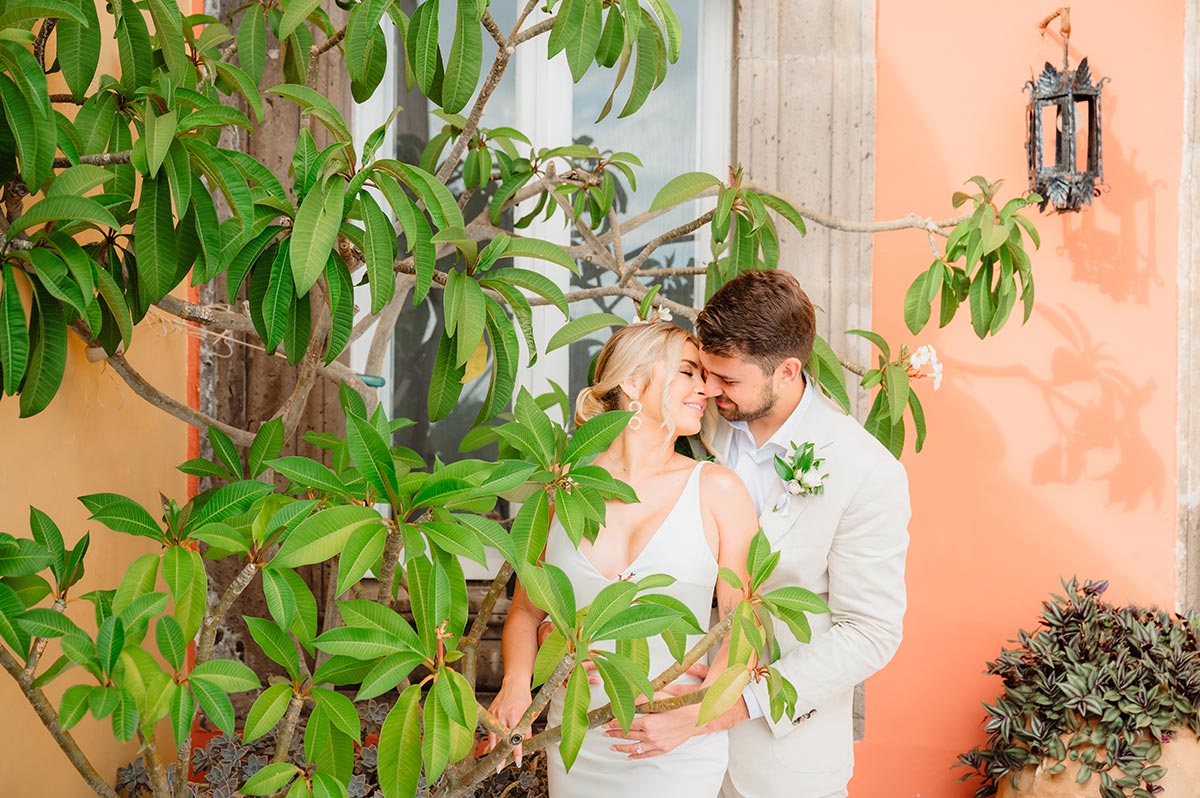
(633,351)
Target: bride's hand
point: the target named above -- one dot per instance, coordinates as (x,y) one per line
(509,706)
(656,734)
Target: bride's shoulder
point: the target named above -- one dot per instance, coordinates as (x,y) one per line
(718,482)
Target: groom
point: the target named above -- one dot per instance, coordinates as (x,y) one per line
(847,543)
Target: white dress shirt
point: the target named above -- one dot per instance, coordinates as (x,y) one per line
(756,466)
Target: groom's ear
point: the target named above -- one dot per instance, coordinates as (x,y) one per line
(790,371)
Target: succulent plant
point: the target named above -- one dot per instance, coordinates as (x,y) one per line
(1097,689)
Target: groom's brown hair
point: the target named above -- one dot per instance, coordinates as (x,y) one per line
(763,316)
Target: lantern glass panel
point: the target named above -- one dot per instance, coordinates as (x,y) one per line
(1052,137)
(1083,133)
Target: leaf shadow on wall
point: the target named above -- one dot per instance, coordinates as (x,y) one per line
(1102,241)
(1097,408)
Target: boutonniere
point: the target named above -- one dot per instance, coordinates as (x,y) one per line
(801,473)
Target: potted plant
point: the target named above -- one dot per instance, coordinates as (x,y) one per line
(1100,701)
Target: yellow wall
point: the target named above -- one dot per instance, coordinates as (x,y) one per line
(96,436)
(1051,449)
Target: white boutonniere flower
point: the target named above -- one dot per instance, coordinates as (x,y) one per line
(801,472)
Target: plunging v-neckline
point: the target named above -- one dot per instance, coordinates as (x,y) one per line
(675,506)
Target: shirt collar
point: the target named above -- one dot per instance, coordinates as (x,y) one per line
(783,437)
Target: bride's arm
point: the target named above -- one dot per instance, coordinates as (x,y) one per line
(727,508)
(519,646)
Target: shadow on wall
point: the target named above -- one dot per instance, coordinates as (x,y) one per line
(1102,242)
(1096,407)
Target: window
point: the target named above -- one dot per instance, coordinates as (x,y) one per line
(684,126)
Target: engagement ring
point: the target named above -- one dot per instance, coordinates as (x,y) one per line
(639,748)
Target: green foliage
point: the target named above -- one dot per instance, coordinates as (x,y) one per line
(112,207)
(1097,689)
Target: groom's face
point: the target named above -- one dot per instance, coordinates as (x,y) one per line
(738,387)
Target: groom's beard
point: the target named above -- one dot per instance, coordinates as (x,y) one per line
(766,403)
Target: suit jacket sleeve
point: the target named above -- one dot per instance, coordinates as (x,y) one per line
(866,598)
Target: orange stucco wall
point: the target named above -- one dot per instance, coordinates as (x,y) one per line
(1051,449)
(96,436)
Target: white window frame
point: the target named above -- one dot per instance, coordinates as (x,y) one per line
(544,100)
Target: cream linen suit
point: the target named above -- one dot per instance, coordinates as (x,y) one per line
(848,545)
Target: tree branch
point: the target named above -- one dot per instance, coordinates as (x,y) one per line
(490,25)
(532,31)
(40,643)
(283,740)
(39,45)
(910,222)
(469,645)
(41,705)
(658,241)
(485,93)
(208,632)
(392,546)
(97,159)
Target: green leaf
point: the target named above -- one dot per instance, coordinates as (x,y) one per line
(267,445)
(74,705)
(270,779)
(315,232)
(445,385)
(294,14)
(340,711)
(918,414)
(155,239)
(229,675)
(577,30)
(379,252)
(424,57)
(465,60)
(252,42)
(387,673)
(14,337)
(640,620)
(78,48)
(122,514)
(723,692)
(612,600)
(138,581)
(321,536)
(574,716)
(522,247)
(896,380)
(268,709)
(171,642)
(683,188)
(225,450)
(916,306)
(227,501)
(125,716)
(44,622)
(533,281)
(399,746)
(582,327)
(309,474)
(110,640)
(316,105)
(275,643)
(531,527)
(363,549)
(980,298)
(595,435)
(13,634)
(874,338)
(372,457)
(645,74)
(183,571)
(48,354)
(159,133)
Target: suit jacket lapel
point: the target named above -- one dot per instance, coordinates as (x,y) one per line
(778,523)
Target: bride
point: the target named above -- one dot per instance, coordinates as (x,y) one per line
(691,519)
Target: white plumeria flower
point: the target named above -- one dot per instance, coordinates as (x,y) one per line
(812,479)
(794,487)
(926,355)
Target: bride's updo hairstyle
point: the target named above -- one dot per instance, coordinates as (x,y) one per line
(633,351)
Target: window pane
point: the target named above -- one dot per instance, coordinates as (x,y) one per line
(664,135)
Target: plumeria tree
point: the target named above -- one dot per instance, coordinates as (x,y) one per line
(122,188)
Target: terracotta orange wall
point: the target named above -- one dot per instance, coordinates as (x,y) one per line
(95,437)
(1051,449)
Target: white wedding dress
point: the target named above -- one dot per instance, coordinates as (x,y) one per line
(695,769)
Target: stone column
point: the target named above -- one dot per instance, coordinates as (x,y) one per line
(804,123)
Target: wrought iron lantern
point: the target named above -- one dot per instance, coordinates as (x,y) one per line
(1067,103)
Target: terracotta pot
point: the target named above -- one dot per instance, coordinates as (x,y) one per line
(1181,758)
